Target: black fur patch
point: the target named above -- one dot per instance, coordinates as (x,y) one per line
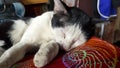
(4,28)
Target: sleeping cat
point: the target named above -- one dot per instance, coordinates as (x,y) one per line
(65,28)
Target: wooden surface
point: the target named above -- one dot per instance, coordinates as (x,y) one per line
(29,2)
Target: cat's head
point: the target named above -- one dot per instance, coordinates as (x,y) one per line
(65,16)
(71,15)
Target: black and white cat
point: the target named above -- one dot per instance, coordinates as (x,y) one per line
(65,27)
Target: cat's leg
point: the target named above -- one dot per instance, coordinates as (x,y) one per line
(46,53)
(13,54)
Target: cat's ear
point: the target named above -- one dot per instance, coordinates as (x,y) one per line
(60,6)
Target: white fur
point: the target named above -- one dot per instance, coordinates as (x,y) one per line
(1,49)
(69,37)
(42,27)
(17,30)
(46,53)
(38,33)
(41,34)
(2,42)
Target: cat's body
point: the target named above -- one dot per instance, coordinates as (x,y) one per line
(37,33)
(64,28)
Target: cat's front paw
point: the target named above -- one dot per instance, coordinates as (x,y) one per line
(40,60)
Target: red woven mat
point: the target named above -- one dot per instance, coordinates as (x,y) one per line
(95,53)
